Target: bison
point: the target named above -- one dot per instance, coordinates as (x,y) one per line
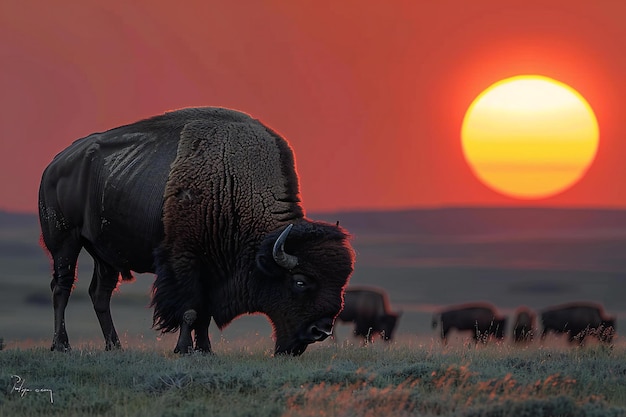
(479,318)
(578,320)
(368,309)
(208,200)
(524,325)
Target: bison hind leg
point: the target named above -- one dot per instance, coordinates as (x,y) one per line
(103,283)
(64,258)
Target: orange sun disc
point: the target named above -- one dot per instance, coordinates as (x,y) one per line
(529,137)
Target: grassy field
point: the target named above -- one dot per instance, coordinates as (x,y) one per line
(414,375)
(331,380)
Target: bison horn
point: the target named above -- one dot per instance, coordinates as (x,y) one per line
(281,257)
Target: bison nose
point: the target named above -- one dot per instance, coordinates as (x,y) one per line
(320,330)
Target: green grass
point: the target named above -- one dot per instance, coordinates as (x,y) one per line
(331,380)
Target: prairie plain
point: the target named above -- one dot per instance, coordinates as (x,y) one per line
(425,260)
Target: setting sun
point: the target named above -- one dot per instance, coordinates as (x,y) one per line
(529,136)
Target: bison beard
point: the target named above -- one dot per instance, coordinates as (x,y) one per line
(208,199)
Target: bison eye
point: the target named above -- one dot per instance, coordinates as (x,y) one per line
(300,283)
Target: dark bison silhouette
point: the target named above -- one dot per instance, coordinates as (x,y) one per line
(208,199)
(524,325)
(479,318)
(578,320)
(368,309)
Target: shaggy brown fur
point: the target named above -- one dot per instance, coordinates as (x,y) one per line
(231,190)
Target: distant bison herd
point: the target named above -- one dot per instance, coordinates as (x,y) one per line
(208,200)
(577,320)
(368,309)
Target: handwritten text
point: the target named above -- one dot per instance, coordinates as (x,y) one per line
(18,386)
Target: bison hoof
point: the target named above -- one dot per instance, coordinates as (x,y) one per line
(113,346)
(60,347)
(203,347)
(183,350)
(203,350)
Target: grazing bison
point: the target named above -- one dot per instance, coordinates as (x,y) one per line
(578,320)
(368,309)
(479,318)
(208,199)
(524,325)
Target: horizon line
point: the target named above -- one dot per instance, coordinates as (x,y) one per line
(423,208)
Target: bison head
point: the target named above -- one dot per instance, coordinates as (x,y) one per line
(302,272)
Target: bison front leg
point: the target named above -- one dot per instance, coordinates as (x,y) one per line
(201,330)
(200,327)
(177,297)
(185,343)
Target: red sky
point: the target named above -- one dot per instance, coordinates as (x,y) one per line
(370,94)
